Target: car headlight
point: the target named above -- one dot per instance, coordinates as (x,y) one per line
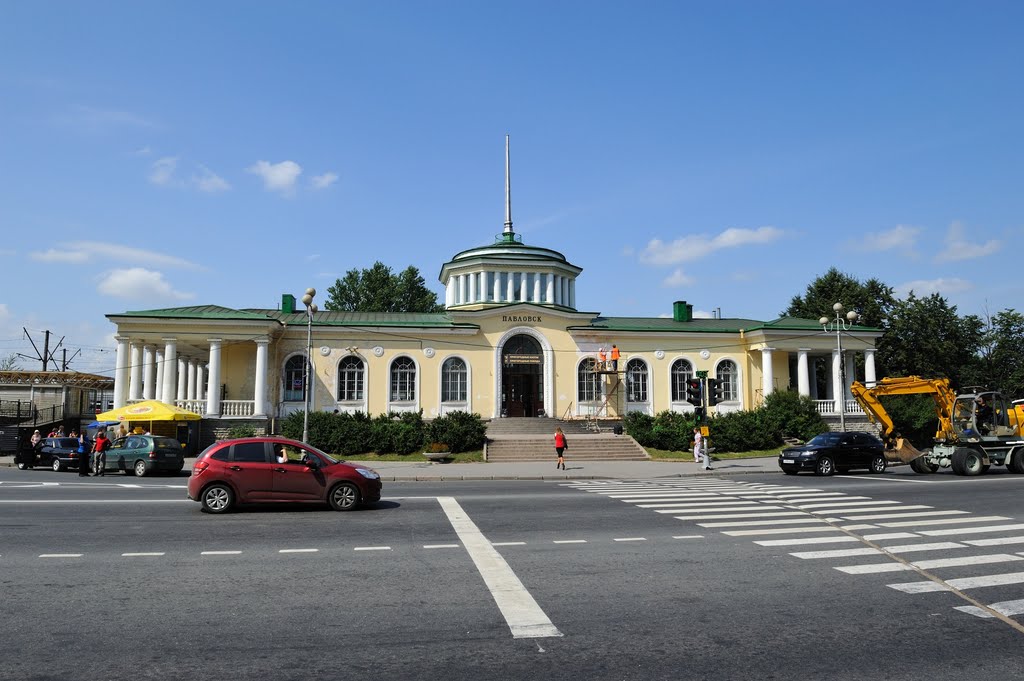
(367,473)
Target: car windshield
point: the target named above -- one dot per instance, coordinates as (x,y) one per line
(825,440)
(330,459)
(166,442)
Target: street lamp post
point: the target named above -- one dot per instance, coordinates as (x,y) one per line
(839,324)
(311,309)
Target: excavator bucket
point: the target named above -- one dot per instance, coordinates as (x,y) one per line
(900,449)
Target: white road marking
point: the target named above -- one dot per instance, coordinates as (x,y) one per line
(522,613)
(885,479)
(508,543)
(569,541)
(893,506)
(873,568)
(1008,608)
(371,548)
(723,509)
(755,523)
(997,541)
(688,536)
(726,505)
(60,555)
(897,516)
(630,539)
(298,550)
(837,553)
(778,530)
(852,528)
(842,504)
(726,516)
(890,535)
(935,546)
(138,555)
(948,521)
(966,560)
(442,546)
(220,553)
(124,484)
(832,502)
(807,540)
(962,583)
(971,530)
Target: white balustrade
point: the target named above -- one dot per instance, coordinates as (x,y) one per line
(237,407)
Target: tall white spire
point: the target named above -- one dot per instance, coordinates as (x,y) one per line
(508,192)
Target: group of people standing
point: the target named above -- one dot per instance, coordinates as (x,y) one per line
(97,450)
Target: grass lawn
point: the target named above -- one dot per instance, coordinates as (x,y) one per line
(667,455)
(417,457)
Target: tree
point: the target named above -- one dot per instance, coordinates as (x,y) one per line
(872,299)
(926,337)
(378,289)
(9,363)
(1000,363)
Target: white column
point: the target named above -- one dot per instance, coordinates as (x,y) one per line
(550,297)
(182,378)
(814,379)
(200,382)
(461,296)
(260,408)
(565,291)
(572,293)
(869,367)
(158,360)
(148,374)
(170,364)
(213,389)
(190,386)
(121,373)
(536,287)
(497,286)
(449,292)
(837,381)
(558,290)
(510,289)
(803,381)
(851,373)
(472,288)
(524,278)
(135,380)
(767,372)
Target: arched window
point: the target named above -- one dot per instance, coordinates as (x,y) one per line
(728,377)
(454,380)
(636,380)
(588,383)
(294,379)
(682,371)
(403,380)
(350,379)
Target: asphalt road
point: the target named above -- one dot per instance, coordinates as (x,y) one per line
(122,578)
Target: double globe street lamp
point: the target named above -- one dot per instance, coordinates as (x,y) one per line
(840,324)
(311,310)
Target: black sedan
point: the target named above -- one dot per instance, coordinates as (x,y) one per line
(58,453)
(830,452)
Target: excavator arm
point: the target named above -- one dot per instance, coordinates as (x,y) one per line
(896,446)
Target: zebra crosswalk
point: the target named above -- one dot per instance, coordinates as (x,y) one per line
(918,540)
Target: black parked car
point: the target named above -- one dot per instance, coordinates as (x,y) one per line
(58,453)
(830,452)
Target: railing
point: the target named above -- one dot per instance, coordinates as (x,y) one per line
(828,407)
(237,407)
(194,406)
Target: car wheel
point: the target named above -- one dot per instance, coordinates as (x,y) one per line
(1016,464)
(344,496)
(878,464)
(921,465)
(140,469)
(22,466)
(217,498)
(57,465)
(966,462)
(825,466)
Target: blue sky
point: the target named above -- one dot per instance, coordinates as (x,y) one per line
(725,153)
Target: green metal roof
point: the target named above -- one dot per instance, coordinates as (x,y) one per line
(337,318)
(198,312)
(668,324)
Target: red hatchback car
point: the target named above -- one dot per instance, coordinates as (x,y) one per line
(267,469)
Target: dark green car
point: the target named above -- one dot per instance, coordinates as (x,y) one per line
(145,454)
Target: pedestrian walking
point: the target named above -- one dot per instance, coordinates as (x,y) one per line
(561,444)
(698,444)
(99,450)
(83,455)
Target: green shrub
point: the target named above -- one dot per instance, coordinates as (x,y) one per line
(461,431)
(241,431)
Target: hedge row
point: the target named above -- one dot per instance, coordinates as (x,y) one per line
(783,414)
(348,434)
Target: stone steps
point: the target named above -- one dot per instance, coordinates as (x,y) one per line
(540,426)
(582,447)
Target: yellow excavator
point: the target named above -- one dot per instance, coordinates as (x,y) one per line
(976,429)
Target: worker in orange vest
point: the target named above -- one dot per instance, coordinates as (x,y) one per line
(600,358)
(615,358)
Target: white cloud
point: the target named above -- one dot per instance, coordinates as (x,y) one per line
(677,278)
(900,236)
(137,283)
(277,177)
(209,182)
(926,287)
(161,173)
(958,247)
(90,251)
(697,246)
(323,181)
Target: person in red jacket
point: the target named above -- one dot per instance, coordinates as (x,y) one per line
(99,449)
(561,444)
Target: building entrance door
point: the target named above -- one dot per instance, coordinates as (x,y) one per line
(522,382)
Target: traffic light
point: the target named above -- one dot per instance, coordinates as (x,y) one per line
(693,395)
(698,415)
(714,392)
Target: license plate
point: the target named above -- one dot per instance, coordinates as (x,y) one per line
(788,461)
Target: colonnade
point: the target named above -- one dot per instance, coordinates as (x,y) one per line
(510,287)
(843,372)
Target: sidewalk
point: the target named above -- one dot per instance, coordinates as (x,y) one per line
(400,471)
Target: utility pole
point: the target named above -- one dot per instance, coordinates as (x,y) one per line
(46,356)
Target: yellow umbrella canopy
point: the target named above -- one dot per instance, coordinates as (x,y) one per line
(149,410)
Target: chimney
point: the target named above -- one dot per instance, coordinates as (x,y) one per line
(681,311)
(287,303)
